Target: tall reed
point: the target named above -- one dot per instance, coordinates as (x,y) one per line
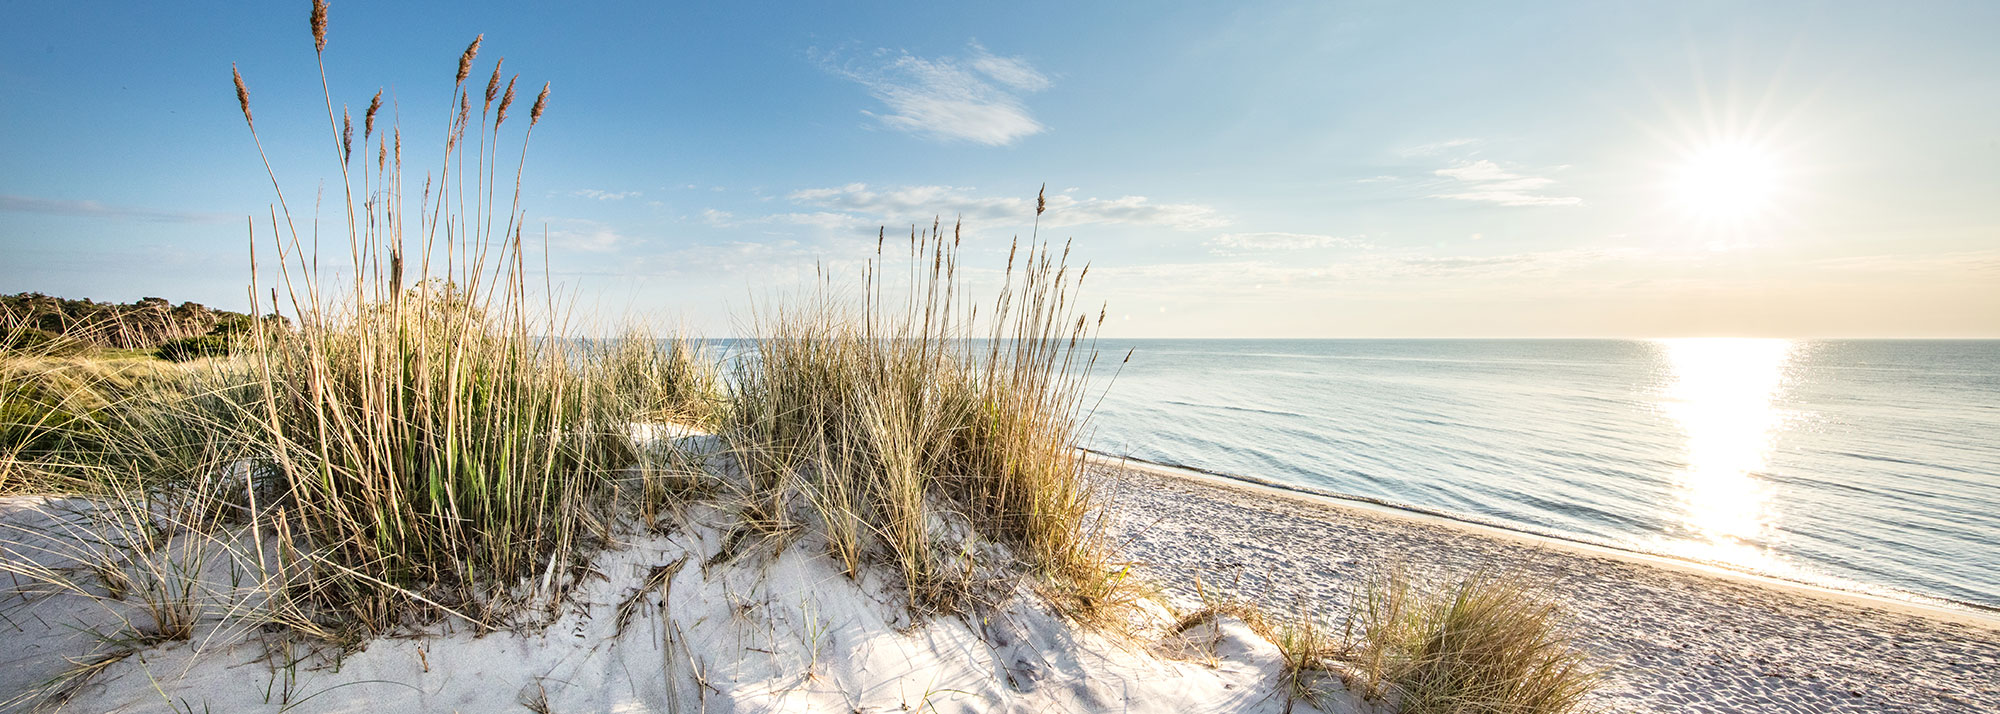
(438,445)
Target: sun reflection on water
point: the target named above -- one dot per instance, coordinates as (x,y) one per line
(1722,396)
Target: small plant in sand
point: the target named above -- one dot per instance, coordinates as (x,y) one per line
(1481,644)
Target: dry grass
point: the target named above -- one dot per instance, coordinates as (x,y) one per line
(1481,644)
(435,444)
(56,404)
(1307,648)
(903,426)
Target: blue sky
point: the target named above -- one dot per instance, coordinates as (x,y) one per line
(1230,170)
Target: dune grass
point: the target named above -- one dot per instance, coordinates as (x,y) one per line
(1482,644)
(901,421)
(439,444)
(56,397)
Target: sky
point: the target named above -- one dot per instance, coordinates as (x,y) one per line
(1248,169)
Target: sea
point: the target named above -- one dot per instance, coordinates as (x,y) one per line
(1869,465)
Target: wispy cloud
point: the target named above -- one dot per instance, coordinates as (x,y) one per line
(908,203)
(1486,182)
(718,219)
(1980,264)
(586,235)
(94,209)
(602,195)
(1237,243)
(1437,147)
(1014,72)
(825,221)
(975,98)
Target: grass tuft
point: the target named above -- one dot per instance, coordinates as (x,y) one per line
(904,428)
(1484,643)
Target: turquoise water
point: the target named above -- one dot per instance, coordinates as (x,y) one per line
(1872,465)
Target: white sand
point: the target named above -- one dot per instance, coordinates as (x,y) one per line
(772,630)
(1679,637)
(780,629)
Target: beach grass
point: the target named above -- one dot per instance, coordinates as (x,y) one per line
(1482,643)
(896,423)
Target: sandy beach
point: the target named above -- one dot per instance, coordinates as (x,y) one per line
(1674,637)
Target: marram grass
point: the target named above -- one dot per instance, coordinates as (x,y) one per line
(891,418)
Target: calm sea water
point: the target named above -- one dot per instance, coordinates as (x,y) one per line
(1872,465)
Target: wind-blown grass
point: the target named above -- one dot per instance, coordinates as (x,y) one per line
(893,423)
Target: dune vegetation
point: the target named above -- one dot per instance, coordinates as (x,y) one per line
(435,440)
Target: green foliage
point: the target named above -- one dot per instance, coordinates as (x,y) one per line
(58,413)
(34,341)
(142,324)
(182,349)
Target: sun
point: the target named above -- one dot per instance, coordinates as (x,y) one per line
(1727,181)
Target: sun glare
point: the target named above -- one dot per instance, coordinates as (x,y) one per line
(1723,394)
(1727,181)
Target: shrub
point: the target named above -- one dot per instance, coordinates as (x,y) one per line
(184,349)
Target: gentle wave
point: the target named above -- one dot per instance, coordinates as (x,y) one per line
(1868,465)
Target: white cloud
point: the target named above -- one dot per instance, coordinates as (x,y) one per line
(1437,147)
(1136,210)
(1011,71)
(1486,182)
(719,219)
(919,203)
(913,202)
(975,99)
(586,235)
(602,195)
(1234,243)
(825,221)
(94,209)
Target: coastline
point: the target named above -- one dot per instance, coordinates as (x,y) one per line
(1920,604)
(1673,636)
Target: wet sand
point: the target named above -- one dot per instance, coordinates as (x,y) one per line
(1677,637)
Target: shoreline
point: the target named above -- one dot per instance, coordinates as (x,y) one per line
(1932,606)
(1668,636)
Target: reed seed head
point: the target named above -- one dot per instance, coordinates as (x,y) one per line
(242,96)
(493,86)
(381,157)
(541,102)
(465,60)
(368,122)
(1041,200)
(319,25)
(506,100)
(346,135)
